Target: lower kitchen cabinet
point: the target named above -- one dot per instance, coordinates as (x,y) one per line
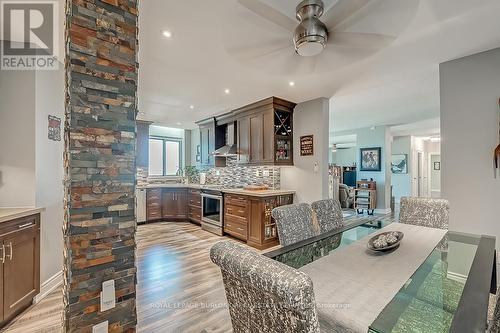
(19,265)
(169,204)
(248,218)
(194,205)
(153,204)
(174,204)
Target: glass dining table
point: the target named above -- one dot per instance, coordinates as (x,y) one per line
(449,292)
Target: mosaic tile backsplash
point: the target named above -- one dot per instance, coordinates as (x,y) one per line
(231,176)
(236,176)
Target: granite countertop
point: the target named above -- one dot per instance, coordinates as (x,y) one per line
(173,185)
(260,193)
(8,214)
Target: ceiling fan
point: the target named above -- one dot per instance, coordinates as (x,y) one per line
(332,38)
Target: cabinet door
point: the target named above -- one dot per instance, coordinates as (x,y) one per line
(243,140)
(256,138)
(153,204)
(21,269)
(268,137)
(181,202)
(169,204)
(207,143)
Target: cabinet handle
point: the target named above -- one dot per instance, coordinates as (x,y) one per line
(11,254)
(25,225)
(3,253)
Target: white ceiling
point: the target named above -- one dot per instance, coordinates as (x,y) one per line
(398,85)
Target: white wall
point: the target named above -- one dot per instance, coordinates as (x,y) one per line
(345,157)
(31,165)
(17,138)
(379,136)
(49,170)
(310,117)
(401,183)
(470,92)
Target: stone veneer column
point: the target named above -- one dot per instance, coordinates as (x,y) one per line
(100,131)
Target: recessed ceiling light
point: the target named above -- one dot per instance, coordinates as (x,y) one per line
(227,91)
(291,83)
(167,33)
(191,107)
(178,124)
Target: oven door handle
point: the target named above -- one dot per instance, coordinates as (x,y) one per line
(218,197)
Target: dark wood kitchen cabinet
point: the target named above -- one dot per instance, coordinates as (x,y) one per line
(194,205)
(174,203)
(207,141)
(248,218)
(153,204)
(20,265)
(265,132)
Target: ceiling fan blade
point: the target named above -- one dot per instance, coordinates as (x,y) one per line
(247,52)
(360,40)
(341,11)
(269,13)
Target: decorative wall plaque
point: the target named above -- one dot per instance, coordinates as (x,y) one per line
(54,128)
(306,145)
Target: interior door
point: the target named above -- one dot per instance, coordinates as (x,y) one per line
(420,174)
(20,270)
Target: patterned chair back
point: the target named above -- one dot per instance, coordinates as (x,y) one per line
(294,223)
(433,213)
(329,214)
(264,295)
(494,321)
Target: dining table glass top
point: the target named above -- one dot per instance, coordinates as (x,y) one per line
(428,301)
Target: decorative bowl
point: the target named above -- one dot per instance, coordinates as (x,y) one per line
(385,241)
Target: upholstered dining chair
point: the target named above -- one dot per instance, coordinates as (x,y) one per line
(294,223)
(427,212)
(494,313)
(329,214)
(264,295)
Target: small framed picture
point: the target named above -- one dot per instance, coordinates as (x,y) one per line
(198,149)
(198,157)
(437,166)
(371,159)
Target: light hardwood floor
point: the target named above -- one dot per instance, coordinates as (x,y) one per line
(179,289)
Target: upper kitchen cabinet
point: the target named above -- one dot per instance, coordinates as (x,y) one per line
(207,141)
(265,132)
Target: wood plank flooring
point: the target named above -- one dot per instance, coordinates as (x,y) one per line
(179,289)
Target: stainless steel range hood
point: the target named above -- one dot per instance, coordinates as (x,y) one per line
(229,149)
(226,151)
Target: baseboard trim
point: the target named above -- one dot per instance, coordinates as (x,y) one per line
(49,286)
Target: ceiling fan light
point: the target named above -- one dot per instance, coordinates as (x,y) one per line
(310,37)
(309,48)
